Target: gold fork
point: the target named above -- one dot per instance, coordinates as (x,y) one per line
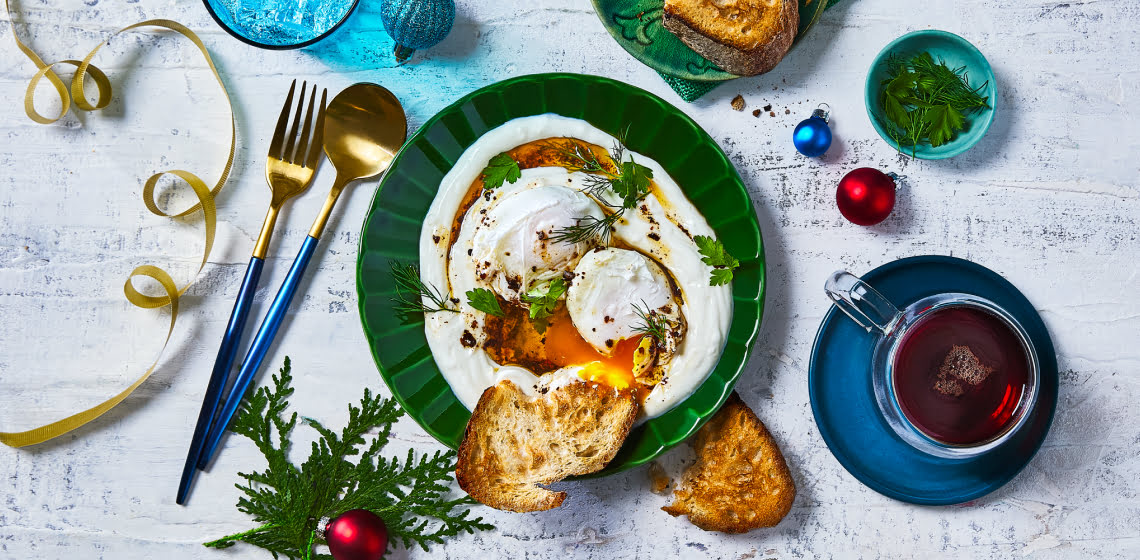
(289,170)
(289,173)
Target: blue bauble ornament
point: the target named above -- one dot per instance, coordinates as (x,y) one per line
(416,24)
(812,136)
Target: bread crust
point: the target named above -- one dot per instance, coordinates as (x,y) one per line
(740,480)
(513,442)
(725,50)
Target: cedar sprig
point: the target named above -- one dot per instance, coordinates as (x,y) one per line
(288,501)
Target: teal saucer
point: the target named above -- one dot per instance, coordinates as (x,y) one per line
(843,401)
(956,52)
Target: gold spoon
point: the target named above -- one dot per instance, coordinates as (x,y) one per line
(364,127)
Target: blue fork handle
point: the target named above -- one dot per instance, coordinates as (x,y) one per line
(257,351)
(222,366)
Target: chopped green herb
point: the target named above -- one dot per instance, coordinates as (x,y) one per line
(652,323)
(924,101)
(720,276)
(633,183)
(411,291)
(628,179)
(715,256)
(544,300)
(484,300)
(588,228)
(501,168)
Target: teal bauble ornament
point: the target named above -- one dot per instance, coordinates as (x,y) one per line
(416,24)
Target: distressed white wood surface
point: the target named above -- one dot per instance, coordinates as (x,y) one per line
(1049,199)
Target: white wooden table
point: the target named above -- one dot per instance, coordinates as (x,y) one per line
(1049,199)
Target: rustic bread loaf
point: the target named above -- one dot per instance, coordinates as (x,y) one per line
(514,442)
(743,37)
(740,480)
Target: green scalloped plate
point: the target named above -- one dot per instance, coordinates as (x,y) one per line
(657,129)
(636,25)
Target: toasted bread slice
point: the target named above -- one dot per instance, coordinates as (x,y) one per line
(514,442)
(743,37)
(740,481)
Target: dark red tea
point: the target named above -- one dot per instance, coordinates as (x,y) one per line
(959,375)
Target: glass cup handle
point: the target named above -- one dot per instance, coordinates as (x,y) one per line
(862,303)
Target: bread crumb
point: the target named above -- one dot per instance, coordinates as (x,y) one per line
(738,103)
(768,107)
(787,111)
(658,481)
(771,113)
(756,113)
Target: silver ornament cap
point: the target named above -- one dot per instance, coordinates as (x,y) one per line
(322,527)
(821,113)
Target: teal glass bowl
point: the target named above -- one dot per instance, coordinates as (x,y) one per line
(955,52)
(281,24)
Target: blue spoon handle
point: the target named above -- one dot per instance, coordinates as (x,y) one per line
(258,350)
(222,366)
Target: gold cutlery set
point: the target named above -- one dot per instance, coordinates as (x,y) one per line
(360,131)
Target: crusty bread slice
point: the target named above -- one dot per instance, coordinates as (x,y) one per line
(514,442)
(743,37)
(740,481)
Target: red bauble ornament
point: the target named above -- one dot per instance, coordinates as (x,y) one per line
(357,534)
(866,196)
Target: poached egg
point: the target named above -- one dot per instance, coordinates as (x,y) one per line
(608,284)
(511,248)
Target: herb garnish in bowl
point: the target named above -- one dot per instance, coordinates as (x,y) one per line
(926,102)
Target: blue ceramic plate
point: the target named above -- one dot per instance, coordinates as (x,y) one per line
(843,402)
(956,52)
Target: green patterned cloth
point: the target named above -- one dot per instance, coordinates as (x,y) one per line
(691,90)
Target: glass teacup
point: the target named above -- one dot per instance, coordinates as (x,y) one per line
(954,374)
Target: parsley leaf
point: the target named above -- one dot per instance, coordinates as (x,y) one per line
(633,183)
(484,300)
(720,277)
(715,256)
(501,168)
(901,84)
(944,121)
(544,300)
(895,111)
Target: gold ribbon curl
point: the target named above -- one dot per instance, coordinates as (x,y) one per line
(206,197)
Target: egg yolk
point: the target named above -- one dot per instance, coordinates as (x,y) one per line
(513,340)
(566,347)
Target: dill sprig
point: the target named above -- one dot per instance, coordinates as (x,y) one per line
(288,499)
(578,158)
(652,323)
(588,228)
(411,291)
(628,179)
